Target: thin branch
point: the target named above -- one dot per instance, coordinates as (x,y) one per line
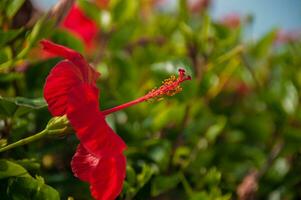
(25,141)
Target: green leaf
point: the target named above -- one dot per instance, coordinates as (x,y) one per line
(290,98)
(41,29)
(200,196)
(130,175)
(264,45)
(65,38)
(183,9)
(3,142)
(11,169)
(162,184)
(30,188)
(124,10)
(163,118)
(17,106)
(30,103)
(29,164)
(9,77)
(7,108)
(147,172)
(90,8)
(181,156)
(215,130)
(160,153)
(9,35)
(22,186)
(212,177)
(5,54)
(13,7)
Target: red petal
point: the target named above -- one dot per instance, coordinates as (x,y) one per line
(89,123)
(108,177)
(59,82)
(88,73)
(83,164)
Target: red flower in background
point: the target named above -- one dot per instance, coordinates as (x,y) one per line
(232,20)
(198,5)
(70,89)
(80,25)
(284,37)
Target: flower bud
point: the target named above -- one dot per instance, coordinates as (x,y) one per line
(59,126)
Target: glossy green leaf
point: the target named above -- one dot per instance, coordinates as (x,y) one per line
(147,172)
(162,184)
(30,188)
(18,106)
(160,153)
(11,169)
(13,7)
(9,35)
(264,45)
(214,130)
(5,55)
(68,39)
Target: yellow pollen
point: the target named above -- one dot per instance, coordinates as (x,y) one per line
(169,87)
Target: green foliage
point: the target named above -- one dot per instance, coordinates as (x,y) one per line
(17,183)
(10,169)
(240,112)
(30,188)
(13,7)
(19,105)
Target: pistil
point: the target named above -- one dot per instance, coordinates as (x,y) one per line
(169,87)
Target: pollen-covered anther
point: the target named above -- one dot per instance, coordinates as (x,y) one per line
(169,87)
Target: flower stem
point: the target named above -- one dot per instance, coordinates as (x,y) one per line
(25,141)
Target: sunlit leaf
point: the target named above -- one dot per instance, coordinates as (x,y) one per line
(11,169)
(30,188)
(162,184)
(18,106)
(13,7)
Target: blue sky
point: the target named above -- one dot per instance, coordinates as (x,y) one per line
(267,14)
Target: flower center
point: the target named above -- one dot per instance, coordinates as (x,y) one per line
(169,87)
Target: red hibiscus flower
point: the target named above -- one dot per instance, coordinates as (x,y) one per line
(231,20)
(80,25)
(284,37)
(70,89)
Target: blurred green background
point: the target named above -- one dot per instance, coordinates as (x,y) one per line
(234,132)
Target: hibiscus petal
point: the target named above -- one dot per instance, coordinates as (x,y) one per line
(88,73)
(71,89)
(61,79)
(83,164)
(89,123)
(108,177)
(105,175)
